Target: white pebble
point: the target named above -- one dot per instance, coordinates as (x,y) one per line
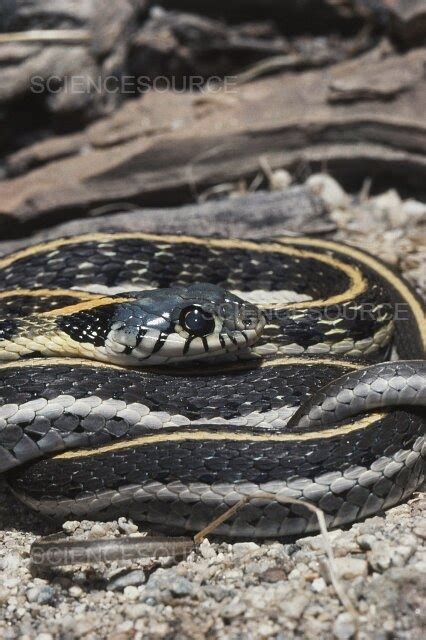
(131,592)
(328,189)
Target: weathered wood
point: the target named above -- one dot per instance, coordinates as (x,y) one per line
(27,65)
(360,118)
(179,46)
(256,215)
(404,20)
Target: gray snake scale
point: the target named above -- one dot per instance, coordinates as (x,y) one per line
(129,386)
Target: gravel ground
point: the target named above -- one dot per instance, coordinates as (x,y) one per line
(243,590)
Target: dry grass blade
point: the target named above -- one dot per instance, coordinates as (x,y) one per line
(46,35)
(335,581)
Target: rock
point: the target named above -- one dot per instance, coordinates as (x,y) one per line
(75,591)
(414,209)
(241,549)
(162,579)
(280,180)
(382,557)
(10,562)
(387,201)
(234,609)
(275,574)
(41,595)
(327,188)
(4,595)
(350,568)
(100,530)
(420,531)
(127,526)
(344,627)
(366,541)
(182,587)
(70,526)
(132,578)
(318,585)
(131,592)
(206,549)
(294,607)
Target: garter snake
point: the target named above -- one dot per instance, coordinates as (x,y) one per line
(129,388)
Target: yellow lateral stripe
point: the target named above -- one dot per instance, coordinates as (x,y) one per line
(49,293)
(282,361)
(37,362)
(181,436)
(371,262)
(358,284)
(84,306)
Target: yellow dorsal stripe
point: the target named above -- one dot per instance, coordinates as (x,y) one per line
(414,304)
(282,361)
(358,284)
(85,306)
(234,436)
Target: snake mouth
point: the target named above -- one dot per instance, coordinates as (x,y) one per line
(236,328)
(177,325)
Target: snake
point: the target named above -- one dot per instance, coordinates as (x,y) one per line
(167,377)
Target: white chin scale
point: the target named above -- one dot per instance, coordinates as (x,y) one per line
(120,346)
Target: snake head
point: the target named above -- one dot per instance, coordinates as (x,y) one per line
(181,323)
(166,325)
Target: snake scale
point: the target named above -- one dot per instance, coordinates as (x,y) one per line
(167,377)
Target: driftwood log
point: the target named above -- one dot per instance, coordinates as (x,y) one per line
(258,215)
(359,118)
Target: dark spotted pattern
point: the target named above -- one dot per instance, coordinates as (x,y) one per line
(229,394)
(146,263)
(213,462)
(157,264)
(19,305)
(8,328)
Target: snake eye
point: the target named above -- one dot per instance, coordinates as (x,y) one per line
(196,321)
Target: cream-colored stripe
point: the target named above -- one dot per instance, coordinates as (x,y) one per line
(179,370)
(44,362)
(93,303)
(358,284)
(371,262)
(180,436)
(49,293)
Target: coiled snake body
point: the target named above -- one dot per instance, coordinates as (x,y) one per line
(171,404)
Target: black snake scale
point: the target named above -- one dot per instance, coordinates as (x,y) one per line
(301,417)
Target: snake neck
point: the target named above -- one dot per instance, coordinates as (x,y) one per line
(34,335)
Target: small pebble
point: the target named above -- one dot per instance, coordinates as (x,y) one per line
(41,595)
(182,587)
(349,568)
(366,541)
(75,591)
(329,190)
(318,585)
(70,526)
(127,526)
(280,180)
(132,578)
(243,548)
(131,592)
(344,627)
